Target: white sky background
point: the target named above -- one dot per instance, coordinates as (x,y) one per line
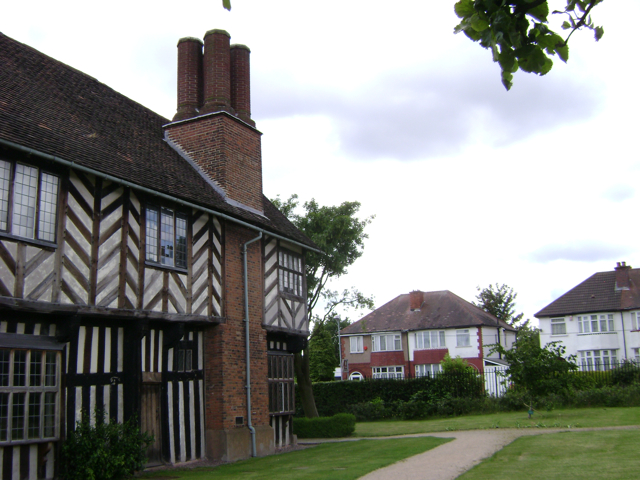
(381,103)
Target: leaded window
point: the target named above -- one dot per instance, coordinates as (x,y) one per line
(281,383)
(29,387)
(28,201)
(290,272)
(166,235)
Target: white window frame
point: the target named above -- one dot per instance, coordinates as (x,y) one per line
(21,419)
(558,326)
(396,372)
(430,339)
(356,344)
(463,337)
(166,237)
(28,208)
(635,321)
(428,370)
(356,376)
(596,323)
(389,342)
(598,360)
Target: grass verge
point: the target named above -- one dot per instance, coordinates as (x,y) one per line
(569,418)
(337,461)
(599,454)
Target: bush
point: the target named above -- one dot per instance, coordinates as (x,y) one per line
(104,451)
(340,425)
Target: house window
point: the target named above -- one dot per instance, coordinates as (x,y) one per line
(386,343)
(558,326)
(430,339)
(290,272)
(598,360)
(29,388)
(388,372)
(28,201)
(463,339)
(428,370)
(166,237)
(635,320)
(596,323)
(281,383)
(357,376)
(636,354)
(356,344)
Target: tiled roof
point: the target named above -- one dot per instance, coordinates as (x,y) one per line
(442,309)
(597,293)
(54,109)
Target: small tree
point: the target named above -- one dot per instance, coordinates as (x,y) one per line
(536,370)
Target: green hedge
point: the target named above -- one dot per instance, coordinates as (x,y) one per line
(337,397)
(340,425)
(419,407)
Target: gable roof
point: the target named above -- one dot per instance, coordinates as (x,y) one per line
(58,111)
(442,309)
(597,293)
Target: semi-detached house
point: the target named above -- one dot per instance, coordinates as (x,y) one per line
(142,270)
(410,335)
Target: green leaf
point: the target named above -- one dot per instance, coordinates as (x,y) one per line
(566,25)
(479,24)
(563,51)
(226,4)
(599,32)
(507,79)
(464,8)
(541,12)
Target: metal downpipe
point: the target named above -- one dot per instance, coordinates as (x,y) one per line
(252,430)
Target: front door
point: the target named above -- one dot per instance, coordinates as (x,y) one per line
(150,421)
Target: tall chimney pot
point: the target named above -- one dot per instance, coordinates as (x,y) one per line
(416,299)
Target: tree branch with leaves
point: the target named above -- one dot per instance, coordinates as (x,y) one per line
(517,31)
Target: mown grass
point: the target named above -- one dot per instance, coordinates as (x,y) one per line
(610,455)
(569,418)
(337,461)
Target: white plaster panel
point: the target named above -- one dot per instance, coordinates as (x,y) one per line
(88,197)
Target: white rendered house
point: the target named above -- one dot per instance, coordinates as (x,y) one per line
(598,320)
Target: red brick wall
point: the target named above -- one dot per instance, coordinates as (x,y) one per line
(225,344)
(429,356)
(228,151)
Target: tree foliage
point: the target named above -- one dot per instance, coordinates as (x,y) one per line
(535,370)
(340,234)
(500,301)
(517,31)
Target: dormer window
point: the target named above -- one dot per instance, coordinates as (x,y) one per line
(28,201)
(166,237)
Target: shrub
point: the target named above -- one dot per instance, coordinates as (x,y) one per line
(104,451)
(340,425)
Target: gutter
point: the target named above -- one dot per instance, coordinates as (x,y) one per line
(149,191)
(252,430)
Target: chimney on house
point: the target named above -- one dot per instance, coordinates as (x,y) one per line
(212,127)
(622,276)
(416,299)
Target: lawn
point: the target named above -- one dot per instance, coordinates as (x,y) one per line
(610,455)
(572,418)
(337,461)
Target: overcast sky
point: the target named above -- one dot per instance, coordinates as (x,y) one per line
(379,102)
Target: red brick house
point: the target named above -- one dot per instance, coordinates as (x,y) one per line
(410,335)
(142,270)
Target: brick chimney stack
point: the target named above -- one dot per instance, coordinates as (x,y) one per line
(189,78)
(213,126)
(622,276)
(416,299)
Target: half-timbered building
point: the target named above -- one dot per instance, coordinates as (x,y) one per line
(142,270)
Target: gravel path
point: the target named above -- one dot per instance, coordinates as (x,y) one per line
(448,461)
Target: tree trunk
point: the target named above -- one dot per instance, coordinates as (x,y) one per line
(301,364)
